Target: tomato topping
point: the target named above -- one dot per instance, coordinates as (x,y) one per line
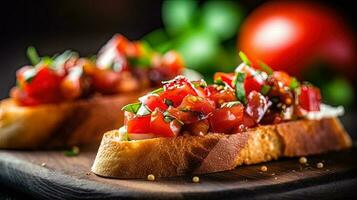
(200,127)
(310,98)
(187,117)
(257,105)
(153,101)
(282,77)
(225,119)
(253,83)
(221,96)
(197,104)
(43,86)
(224,77)
(177,89)
(138,124)
(165,126)
(171,64)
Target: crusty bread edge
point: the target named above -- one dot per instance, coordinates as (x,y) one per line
(166,157)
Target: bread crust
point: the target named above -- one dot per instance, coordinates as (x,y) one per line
(60,125)
(166,157)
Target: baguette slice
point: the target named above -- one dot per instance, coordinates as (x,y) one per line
(166,157)
(60,125)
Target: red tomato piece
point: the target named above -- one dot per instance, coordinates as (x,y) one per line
(221,96)
(310,98)
(225,77)
(162,126)
(177,89)
(187,117)
(42,88)
(197,104)
(257,105)
(282,77)
(253,83)
(171,64)
(153,101)
(224,120)
(138,124)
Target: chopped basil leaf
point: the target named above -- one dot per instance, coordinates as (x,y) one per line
(294,83)
(219,81)
(133,107)
(73,152)
(143,110)
(33,55)
(201,83)
(168,102)
(275,99)
(230,104)
(265,89)
(244,58)
(29,75)
(265,67)
(46,61)
(169,118)
(143,61)
(240,91)
(158,91)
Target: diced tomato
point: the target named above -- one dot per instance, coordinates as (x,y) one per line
(282,77)
(310,98)
(171,64)
(22,97)
(138,124)
(177,89)
(153,101)
(186,117)
(253,83)
(224,120)
(224,77)
(43,86)
(197,104)
(221,96)
(257,105)
(105,81)
(164,127)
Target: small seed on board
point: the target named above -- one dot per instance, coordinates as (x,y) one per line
(303,160)
(320,165)
(264,168)
(196,179)
(151,177)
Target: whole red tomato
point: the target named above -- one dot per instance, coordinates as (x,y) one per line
(289,36)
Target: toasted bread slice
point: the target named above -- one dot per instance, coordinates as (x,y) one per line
(59,125)
(165,157)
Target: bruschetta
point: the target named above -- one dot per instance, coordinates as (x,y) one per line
(245,117)
(67,100)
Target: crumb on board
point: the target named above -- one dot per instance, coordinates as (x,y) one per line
(43,164)
(151,177)
(320,165)
(196,179)
(276,178)
(264,168)
(88,173)
(303,160)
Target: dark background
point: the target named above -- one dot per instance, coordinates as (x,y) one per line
(83,26)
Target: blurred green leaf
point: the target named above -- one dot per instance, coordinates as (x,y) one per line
(199,50)
(222,18)
(156,37)
(178,15)
(338,92)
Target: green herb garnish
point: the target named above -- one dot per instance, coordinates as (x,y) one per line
(143,110)
(168,102)
(33,55)
(158,91)
(219,81)
(240,91)
(143,61)
(72,152)
(265,89)
(244,58)
(265,67)
(294,83)
(133,107)
(230,104)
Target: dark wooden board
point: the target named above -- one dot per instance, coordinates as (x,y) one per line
(64,177)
